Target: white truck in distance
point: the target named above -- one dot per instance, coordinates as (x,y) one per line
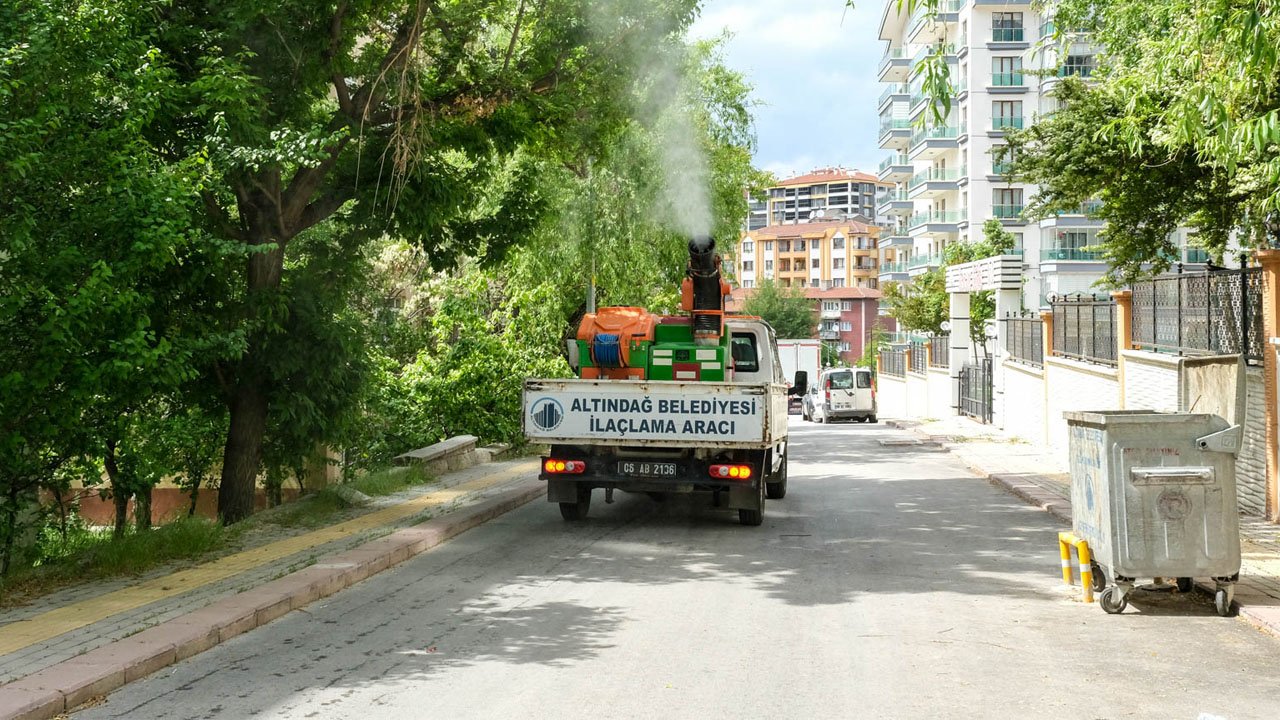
(800,354)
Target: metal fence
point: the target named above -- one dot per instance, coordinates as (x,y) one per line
(1209,313)
(893,362)
(977,399)
(940,351)
(1085,329)
(919,358)
(1024,339)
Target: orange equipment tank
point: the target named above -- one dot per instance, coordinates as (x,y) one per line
(611,333)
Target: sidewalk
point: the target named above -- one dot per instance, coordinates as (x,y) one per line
(67,647)
(1039,477)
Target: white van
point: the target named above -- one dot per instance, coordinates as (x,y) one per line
(842,394)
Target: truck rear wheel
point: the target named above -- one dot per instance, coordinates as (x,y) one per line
(778,489)
(577,511)
(754,517)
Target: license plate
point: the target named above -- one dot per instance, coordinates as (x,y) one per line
(647,469)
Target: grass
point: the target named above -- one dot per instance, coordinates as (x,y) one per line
(86,553)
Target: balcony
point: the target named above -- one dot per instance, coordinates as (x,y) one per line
(936,222)
(920,263)
(894,65)
(894,133)
(896,237)
(830,313)
(1072,254)
(1008,35)
(931,142)
(894,93)
(1008,82)
(829,334)
(947,50)
(934,181)
(1001,124)
(894,204)
(931,28)
(1007,212)
(895,168)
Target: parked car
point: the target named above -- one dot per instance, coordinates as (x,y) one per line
(841,394)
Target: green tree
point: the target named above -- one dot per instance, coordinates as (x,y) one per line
(791,314)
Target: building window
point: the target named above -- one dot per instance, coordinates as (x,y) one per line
(748,265)
(837,282)
(816,263)
(768,246)
(1006,114)
(784,246)
(1006,72)
(1002,157)
(1080,65)
(837,243)
(1006,27)
(813,282)
(748,283)
(845,347)
(748,246)
(768,266)
(873,283)
(799,246)
(846,326)
(1006,203)
(846,305)
(837,263)
(830,306)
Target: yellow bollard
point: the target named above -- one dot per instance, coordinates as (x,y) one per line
(1064,549)
(1086,569)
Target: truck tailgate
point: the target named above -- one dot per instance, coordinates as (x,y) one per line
(637,412)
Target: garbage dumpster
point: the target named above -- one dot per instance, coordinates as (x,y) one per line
(1154,495)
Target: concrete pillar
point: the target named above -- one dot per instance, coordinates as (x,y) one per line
(1124,335)
(1270,262)
(1046,319)
(323,468)
(959,343)
(1046,340)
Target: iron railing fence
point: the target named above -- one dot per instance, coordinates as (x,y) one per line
(893,362)
(1207,313)
(977,399)
(1024,339)
(919,359)
(940,351)
(1085,329)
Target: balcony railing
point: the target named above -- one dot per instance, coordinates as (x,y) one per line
(890,55)
(893,160)
(927,50)
(1007,212)
(1001,168)
(941,132)
(894,89)
(1197,255)
(887,126)
(1009,79)
(1005,123)
(891,197)
(1076,254)
(924,261)
(1006,35)
(935,175)
(899,266)
(1047,28)
(924,218)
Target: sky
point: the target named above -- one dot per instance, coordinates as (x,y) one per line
(813,66)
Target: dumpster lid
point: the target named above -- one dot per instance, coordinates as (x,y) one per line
(1103,418)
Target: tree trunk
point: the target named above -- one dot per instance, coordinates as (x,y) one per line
(195,494)
(119,494)
(243,454)
(142,508)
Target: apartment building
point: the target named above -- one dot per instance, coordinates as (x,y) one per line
(826,193)
(946,181)
(821,255)
(847,317)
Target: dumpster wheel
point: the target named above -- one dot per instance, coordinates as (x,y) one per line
(1113,602)
(1222,601)
(1099,577)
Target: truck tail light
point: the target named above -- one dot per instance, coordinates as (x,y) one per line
(828,396)
(564,467)
(730,472)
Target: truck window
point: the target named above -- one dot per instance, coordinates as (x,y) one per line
(840,381)
(864,380)
(746,357)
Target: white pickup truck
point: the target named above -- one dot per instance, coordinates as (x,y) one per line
(661,436)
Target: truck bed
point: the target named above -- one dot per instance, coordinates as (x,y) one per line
(654,413)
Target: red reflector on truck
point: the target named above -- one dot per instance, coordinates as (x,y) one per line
(730,472)
(564,467)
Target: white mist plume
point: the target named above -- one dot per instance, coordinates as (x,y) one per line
(665,108)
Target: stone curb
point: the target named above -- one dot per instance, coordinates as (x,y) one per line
(63,687)
(1264,617)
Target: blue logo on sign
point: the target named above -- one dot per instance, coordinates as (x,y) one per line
(547,414)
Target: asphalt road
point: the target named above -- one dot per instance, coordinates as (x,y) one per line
(890,583)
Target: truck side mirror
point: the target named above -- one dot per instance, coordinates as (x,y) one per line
(801,385)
